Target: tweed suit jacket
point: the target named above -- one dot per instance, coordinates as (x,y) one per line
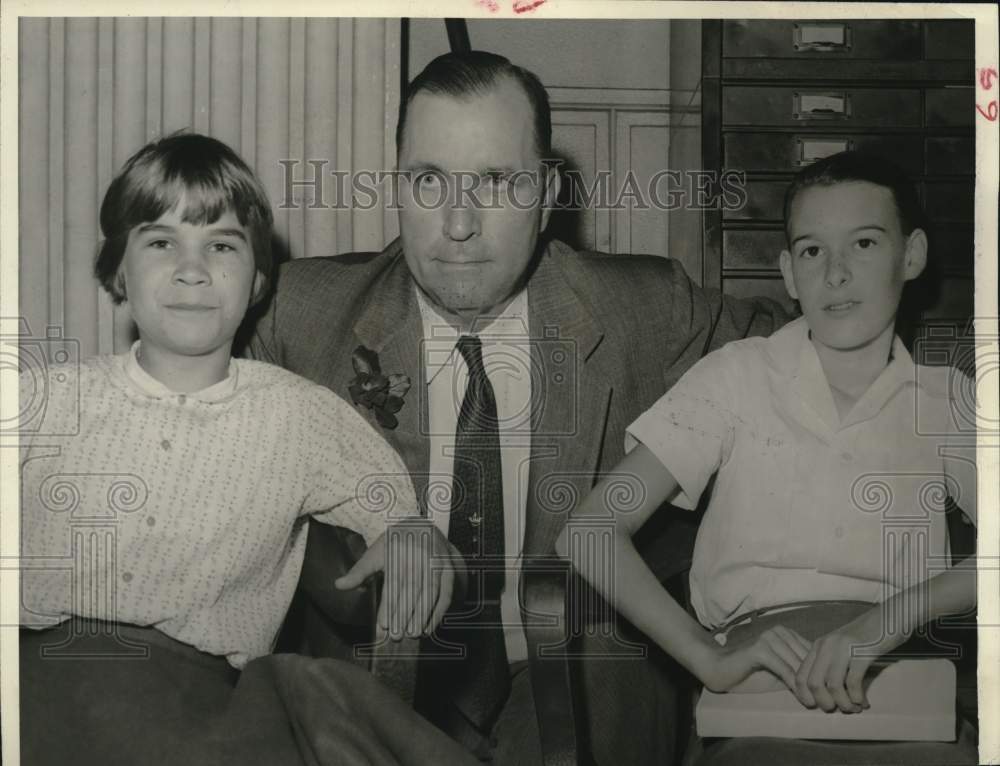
(609,335)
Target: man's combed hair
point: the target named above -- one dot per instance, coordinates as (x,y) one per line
(207,175)
(473,73)
(859,166)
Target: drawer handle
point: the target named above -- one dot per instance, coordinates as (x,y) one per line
(812,149)
(821,106)
(823,38)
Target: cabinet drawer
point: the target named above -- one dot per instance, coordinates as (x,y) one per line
(951,248)
(943,201)
(949,106)
(765,200)
(954,299)
(949,39)
(898,40)
(757,249)
(949,201)
(788,152)
(950,155)
(868,107)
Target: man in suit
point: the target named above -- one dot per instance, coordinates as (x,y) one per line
(526,360)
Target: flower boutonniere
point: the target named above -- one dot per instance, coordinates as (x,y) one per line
(380,393)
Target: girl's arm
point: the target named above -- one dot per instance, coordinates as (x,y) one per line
(615,569)
(832,672)
(831,675)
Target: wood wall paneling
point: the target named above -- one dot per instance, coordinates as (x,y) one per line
(392,76)
(345,126)
(177,64)
(320,136)
(642,150)
(225,80)
(272,112)
(34,159)
(368,141)
(80,183)
(582,138)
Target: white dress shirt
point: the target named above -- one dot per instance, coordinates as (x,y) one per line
(507,359)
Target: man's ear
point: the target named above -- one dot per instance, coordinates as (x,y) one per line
(915,258)
(785,263)
(553,182)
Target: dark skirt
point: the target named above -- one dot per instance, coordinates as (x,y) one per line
(99,694)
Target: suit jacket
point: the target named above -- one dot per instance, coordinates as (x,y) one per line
(609,335)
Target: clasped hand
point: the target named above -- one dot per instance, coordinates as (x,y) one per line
(420,568)
(825,673)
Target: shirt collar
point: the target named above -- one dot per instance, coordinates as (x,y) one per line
(441,338)
(899,373)
(151,387)
(793,350)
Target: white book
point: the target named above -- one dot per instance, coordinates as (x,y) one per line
(911,700)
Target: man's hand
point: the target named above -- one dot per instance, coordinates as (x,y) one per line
(831,677)
(419,565)
(779,650)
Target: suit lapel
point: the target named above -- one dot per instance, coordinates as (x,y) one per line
(570,414)
(390,325)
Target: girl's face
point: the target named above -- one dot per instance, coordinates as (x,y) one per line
(188,286)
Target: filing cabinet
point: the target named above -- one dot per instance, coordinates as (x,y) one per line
(778,95)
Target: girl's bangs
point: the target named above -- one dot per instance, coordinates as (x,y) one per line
(204,202)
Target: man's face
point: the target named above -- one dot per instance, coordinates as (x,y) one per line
(469,250)
(848,261)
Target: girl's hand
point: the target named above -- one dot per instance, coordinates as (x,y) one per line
(419,565)
(831,675)
(778,650)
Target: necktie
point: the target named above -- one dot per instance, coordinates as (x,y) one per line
(481,681)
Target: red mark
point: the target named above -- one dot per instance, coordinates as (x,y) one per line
(491,5)
(523,6)
(986,77)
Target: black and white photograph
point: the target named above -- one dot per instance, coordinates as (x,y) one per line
(518,382)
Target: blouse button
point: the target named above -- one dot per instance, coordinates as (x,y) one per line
(165,444)
(182,398)
(127,577)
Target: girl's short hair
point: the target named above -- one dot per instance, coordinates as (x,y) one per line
(209,176)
